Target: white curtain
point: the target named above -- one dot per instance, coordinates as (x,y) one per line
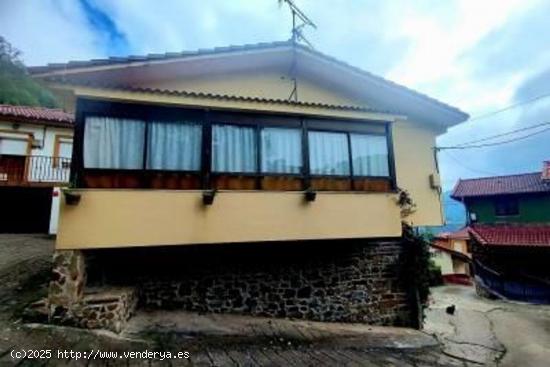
(174,146)
(369,155)
(233,149)
(328,153)
(113,143)
(281,150)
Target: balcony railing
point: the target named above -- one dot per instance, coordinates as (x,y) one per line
(34,170)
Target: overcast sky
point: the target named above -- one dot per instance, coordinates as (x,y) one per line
(479,55)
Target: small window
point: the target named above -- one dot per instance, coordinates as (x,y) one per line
(174,146)
(369,154)
(65,149)
(328,153)
(506,207)
(281,150)
(233,149)
(113,143)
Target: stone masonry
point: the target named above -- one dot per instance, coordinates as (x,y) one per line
(343,280)
(69,302)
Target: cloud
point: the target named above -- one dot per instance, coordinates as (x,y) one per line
(477,55)
(50,31)
(524,155)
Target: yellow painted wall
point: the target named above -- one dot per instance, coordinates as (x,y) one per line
(111,218)
(120,218)
(275,85)
(414,163)
(444,261)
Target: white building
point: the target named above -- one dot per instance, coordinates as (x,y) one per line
(35,156)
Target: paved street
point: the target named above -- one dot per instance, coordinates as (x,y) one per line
(481,332)
(489,332)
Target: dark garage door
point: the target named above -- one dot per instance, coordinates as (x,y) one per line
(25,209)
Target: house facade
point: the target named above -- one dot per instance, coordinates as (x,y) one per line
(451,252)
(254,150)
(509,219)
(35,157)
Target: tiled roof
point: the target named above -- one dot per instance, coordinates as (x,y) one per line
(36,114)
(524,235)
(241,48)
(230,97)
(461,234)
(513,184)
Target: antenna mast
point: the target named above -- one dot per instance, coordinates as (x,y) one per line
(298,16)
(297,36)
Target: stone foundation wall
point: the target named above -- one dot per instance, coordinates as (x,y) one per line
(351,281)
(71,302)
(107,309)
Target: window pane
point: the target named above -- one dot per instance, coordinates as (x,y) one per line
(113,143)
(369,155)
(174,146)
(506,207)
(281,150)
(65,149)
(233,149)
(328,153)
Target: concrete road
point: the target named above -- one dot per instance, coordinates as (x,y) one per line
(487,332)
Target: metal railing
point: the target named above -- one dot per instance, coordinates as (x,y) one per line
(28,170)
(515,286)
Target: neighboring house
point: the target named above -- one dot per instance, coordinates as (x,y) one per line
(274,145)
(510,233)
(522,198)
(35,156)
(451,252)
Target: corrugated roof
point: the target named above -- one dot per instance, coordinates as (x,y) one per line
(500,185)
(37,114)
(523,235)
(230,97)
(243,48)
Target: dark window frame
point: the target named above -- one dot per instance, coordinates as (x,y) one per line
(208,117)
(350,156)
(506,207)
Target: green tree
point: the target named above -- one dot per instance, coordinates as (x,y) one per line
(16,86)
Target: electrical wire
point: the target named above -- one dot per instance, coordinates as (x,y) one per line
(457,161)
(510,107)
(458,147)
(504,134)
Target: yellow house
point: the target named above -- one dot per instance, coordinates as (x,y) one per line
(252,144)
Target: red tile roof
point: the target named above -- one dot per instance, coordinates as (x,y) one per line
(36,114)
(513,184)
(524,235)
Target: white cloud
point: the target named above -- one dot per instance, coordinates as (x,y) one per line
(49,31)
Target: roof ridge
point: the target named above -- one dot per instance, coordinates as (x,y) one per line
(164,55)
(500,176)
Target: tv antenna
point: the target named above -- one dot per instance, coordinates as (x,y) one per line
(299,21)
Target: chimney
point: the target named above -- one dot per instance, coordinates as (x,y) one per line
(546,171)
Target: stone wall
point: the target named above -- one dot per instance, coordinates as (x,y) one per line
(351,281)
